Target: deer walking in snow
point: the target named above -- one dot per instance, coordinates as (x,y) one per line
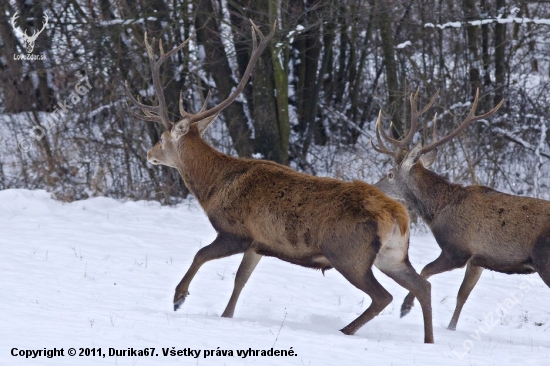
(262,208)
(475,226)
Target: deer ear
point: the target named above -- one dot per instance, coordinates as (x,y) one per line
(428,158)
(205,123)
(180,129)
(412,157)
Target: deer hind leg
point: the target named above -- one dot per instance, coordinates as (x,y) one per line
(541,257)
(545,275)
(470,279)
(247,266)
(223,246)
(443,263)
(379,295)
(354,261)
(393,260)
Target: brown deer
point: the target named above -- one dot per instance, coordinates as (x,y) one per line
(475,226)
(262,208)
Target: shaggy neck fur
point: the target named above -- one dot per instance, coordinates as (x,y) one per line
(430,193)
(200,166)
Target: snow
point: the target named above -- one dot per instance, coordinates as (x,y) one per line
(404,44)
(100,273)
(511,18)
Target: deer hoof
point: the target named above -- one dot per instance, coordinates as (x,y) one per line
(179,302)
(348,330)
(405,309)
(227,314)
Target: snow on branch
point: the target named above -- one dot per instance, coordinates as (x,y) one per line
(512,18)
(106,23)
(518,140)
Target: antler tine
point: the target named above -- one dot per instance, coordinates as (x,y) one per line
(16,27)
(430,103)
(158,113)
(205,104)
(150,117)
(380,149)
(383,148)
(401,145)
(434,133)
(255,30)
(155,73)
(36,33)
(184,113)
(467,121)
(150,112)
(415,113)
(170,53)
(257,51)
(136,102)
(388,137)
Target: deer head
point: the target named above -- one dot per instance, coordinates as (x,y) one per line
(399,179)
(166,151)
(28,40)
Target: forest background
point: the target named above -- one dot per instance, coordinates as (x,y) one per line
(311,103)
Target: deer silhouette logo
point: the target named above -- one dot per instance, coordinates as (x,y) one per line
(28,40)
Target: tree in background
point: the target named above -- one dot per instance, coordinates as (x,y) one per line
(312,99)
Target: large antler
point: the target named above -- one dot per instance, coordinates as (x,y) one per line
(159,113)
(35,34)
(467,121)
(16,28)
(32,39)
(401,145)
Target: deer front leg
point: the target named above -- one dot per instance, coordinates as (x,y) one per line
(470,279)
(248,264)
(223,246)
(443,263)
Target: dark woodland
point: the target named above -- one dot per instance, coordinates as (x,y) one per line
(311,103)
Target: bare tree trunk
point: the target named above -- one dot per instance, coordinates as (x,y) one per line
(500,62)
(388,44)
(269,112)
(279,57)
(471,13)
(217,65)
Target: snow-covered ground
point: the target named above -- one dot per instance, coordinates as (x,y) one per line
(101,274)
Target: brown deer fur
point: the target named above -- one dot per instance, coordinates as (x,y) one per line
(260,208)
(475,226)
(263,208)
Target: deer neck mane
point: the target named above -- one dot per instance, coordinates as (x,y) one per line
(201,166)
(431,193)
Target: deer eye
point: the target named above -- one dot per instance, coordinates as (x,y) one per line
(390,175)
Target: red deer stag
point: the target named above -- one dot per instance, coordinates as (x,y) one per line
(475,226)
(262,208)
